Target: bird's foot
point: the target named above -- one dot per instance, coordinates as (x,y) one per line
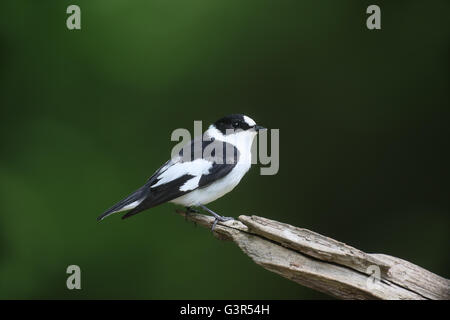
(188,211)
(217,217)
(220,218)
(191,210)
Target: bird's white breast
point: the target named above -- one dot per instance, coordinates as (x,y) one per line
(243,141)
(215,190)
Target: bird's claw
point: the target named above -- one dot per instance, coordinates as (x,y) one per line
(188,211)
(191,210)
(220,218)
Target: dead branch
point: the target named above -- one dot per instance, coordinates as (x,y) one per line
(324,264)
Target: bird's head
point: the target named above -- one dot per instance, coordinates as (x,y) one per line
(236,129)
(235,123)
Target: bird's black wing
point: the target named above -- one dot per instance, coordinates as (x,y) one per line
(137,195)
(222,158)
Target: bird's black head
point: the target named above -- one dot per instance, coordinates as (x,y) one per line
(232,122)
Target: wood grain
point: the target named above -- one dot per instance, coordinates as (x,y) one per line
(325,264)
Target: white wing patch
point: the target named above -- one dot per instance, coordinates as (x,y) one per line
(191,184)
(194,168)
(169,163)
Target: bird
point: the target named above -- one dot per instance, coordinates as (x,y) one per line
(205,169)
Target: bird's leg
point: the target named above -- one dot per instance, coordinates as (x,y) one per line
(188,211)
(217,216)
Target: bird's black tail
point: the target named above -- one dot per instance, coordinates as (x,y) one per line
(139,195)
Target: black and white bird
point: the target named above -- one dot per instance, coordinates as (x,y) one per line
(205,169)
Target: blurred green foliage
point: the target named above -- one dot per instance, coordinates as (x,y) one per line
(86,117)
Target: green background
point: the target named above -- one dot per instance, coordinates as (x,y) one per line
(86,118)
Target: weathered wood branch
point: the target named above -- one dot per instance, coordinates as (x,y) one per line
(324,264)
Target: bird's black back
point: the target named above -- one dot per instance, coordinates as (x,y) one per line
(222,155)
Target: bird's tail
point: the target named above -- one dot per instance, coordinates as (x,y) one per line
(129,202)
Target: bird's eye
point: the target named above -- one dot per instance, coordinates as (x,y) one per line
(236,124)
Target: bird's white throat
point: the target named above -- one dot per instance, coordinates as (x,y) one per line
(242,140)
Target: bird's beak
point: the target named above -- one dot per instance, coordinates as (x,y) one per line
(259,128)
